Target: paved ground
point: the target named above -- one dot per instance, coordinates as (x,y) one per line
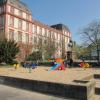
(9,93)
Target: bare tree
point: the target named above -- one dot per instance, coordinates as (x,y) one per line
(47,48)
(91,36)
(50,49)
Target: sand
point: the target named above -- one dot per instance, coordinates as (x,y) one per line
(44,74)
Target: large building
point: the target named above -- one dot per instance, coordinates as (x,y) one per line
(16,23)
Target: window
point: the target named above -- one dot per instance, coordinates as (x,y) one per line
(20,36)
(35,29)
(45,41)
(1,20)
(27,26)
(12,10)
(1,31)
(11,21)
(56,35)
(20,24)
(40,41)
(1,9)
(65,33)
(60,38)
(27,16)
(11,34)
(45,32)
(35,40)
(20,13)
(40,30)
(52,35)
(27,38)
(49,34)
(1,34)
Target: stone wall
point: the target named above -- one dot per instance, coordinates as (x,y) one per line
(76,90)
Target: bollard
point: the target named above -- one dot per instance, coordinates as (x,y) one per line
(30,70)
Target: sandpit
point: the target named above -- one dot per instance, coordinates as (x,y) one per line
(44,74)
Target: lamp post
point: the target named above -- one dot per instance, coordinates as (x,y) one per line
(69,52)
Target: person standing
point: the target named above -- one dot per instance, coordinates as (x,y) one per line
(71,62)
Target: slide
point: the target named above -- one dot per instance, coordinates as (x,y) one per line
(57,66)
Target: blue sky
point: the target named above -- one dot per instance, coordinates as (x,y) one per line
(75,14)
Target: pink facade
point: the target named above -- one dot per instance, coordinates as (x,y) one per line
(16,23)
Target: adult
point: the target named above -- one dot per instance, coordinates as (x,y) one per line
(71,62)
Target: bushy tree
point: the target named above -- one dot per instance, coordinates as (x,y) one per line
(8,51)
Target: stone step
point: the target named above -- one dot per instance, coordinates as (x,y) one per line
(97,87)
(97,83)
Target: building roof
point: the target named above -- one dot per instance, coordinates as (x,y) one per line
(60,27)
(19,4)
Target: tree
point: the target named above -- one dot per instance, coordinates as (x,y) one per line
(76,49)
(63,47)
(36,55)
(91,36)
(50,49)
(83,52)
(47,48)
(8,51)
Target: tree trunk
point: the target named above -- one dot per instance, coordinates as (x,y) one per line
(98,51)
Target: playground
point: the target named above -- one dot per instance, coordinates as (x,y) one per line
(46,74)
(57,73)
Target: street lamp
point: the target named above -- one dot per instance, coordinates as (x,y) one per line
(69,52)
(70,45)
